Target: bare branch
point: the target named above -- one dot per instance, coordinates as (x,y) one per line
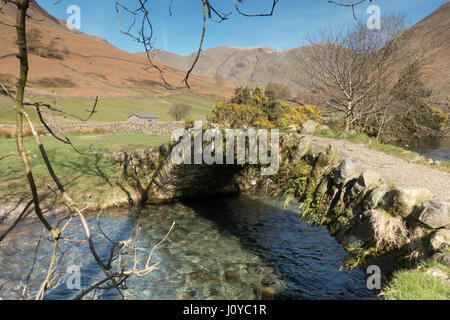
(274,4)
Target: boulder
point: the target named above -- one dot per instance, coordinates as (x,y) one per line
(366,179)
(118,157)
(357,236)
(373,198)
(325,160)
(443,258)
(435,214)
(401,201)
(348,169)
(309,127)
(440,239)
(352,242)
(303,147)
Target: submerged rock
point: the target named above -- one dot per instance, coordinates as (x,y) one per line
(232,276)
(201,275)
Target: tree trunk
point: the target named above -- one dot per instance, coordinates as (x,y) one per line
(22,8)
(348,116)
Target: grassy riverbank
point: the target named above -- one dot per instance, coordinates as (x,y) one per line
(427,282)
(88,178)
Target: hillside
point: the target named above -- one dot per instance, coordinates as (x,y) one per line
(429,38)
(74,65)
(240,66)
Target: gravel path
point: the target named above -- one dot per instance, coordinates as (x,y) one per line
(392,169)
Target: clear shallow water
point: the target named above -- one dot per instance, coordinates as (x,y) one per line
(221,249)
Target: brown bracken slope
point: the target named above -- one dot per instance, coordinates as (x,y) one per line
(83,66)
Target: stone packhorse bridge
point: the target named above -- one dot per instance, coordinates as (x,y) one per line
(383,210)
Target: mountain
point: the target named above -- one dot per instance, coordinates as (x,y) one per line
(241,66)
(71,64)
(257,66)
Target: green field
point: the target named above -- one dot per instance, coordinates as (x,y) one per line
(87,178)
(110,110)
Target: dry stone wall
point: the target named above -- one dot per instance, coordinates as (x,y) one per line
(137,127)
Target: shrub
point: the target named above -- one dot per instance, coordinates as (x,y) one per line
(34,41)
(438,119)
(254,108)
(291,181)
(298,115)
(8,133)
(87,130)
(277,91)
(388,230)
(239,115)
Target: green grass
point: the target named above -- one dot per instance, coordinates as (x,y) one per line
(111,110)
(389,149)
(417,285)
(8,114)
(394,151)
(435,264)
(87,178)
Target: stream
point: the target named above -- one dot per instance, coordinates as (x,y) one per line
(432,148)
(225,248)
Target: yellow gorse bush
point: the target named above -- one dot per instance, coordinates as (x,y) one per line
(254,113)
(441,118)
(258,95)
(238,115)
(298,115)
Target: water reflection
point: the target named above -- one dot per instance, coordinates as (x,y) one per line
(434,148)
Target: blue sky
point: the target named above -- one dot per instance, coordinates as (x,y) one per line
(180,33)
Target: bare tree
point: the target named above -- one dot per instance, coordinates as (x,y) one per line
(278,91)
(179,111)
(410,111)
(349,68)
